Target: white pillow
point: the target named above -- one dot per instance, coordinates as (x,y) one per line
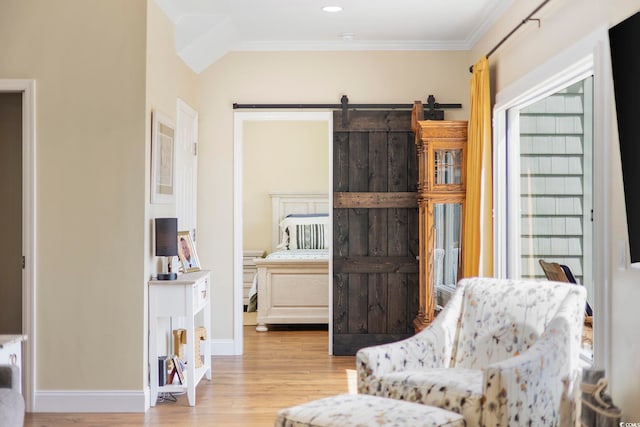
(304,232)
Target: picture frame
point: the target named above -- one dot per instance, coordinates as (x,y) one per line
(163,153)
(179,368)
(187,252)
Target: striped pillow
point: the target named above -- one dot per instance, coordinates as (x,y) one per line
(310,236)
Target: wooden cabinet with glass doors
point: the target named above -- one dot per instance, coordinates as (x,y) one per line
(441,149)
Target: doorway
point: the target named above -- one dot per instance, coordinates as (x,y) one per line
(11,214)
(245,125)
(550,178)
(579,77)
(18,112)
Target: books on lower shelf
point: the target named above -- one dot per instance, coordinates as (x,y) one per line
(179,369)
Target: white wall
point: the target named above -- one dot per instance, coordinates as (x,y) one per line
(297,77)
(565,22)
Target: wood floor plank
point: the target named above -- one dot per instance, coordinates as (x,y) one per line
(283,367)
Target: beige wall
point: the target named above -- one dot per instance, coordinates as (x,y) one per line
(297,77)
(565,22)
(279,157)
(100,68)
(88,61)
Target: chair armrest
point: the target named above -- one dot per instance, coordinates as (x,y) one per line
(528,389)
(431,348)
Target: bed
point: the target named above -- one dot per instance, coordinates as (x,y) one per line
(292,282)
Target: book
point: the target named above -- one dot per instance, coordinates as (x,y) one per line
(162,370)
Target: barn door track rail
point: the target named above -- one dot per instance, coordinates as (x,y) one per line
(433,110)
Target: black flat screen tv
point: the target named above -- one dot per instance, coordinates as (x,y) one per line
(624,39)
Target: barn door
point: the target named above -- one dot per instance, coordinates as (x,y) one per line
(375,229)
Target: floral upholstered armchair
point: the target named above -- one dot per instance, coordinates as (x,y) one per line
(501,353)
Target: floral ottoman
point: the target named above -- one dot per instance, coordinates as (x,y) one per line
(359,410)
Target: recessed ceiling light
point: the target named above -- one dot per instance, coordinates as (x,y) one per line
(332,9)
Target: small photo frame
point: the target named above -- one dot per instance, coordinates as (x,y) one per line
(187,252)
(179,368)
(163,152)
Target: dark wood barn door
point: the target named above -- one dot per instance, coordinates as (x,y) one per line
(375,229)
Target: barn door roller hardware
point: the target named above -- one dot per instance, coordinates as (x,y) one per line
(432,108)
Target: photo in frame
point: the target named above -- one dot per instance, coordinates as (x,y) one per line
(163,154)
(187,252)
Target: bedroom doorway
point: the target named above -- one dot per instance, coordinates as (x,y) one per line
(18,106)
(274,152)
(11,214)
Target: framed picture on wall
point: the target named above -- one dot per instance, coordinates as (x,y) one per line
(187,252)
(162,159)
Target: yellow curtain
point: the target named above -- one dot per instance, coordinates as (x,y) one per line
(477,231)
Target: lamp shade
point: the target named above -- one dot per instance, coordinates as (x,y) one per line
(166,236)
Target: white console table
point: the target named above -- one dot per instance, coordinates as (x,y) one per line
(11,351)
(185,297)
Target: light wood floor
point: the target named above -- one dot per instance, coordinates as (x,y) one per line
(280,368)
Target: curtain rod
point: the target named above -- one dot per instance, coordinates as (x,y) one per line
(524,21)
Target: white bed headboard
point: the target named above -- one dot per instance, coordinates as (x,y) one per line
(283,204)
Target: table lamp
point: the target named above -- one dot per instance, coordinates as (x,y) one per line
(167,244)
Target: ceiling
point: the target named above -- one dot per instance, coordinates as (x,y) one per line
(207,29)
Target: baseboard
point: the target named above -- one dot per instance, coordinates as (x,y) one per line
(91,401)
(223,347)
(109,401)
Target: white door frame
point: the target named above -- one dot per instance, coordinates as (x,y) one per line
(28,90)
(589,56)
(239,118)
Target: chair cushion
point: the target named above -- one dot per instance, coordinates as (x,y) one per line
(454,389)
(357,410)
(499,322)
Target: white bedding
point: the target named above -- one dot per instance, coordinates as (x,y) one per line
(300,254)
